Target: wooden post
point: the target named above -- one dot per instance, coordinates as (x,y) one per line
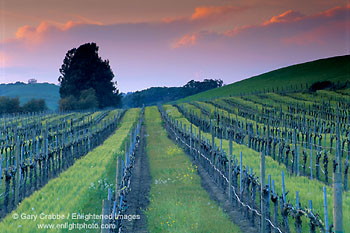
(126,154)
(241,174)
(1,168)
(283,189)
(298,161)
(106,206)
(311,161)
(18,170)
(229,168)
(337,203)
(200,142)
(191,142)
(212,134)
(325,208)
(269,192)
(297,193)
(262,182)
(117,179)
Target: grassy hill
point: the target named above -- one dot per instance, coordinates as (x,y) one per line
(333,69)
(25,92)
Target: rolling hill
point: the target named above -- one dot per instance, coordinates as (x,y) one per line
(25,92)
(333,69)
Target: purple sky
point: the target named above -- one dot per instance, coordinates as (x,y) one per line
(163,43)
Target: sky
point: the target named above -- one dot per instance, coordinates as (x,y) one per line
(168,43)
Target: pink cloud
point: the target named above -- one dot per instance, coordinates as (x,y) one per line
(287,16)
(32,36)
(206,12)
(204,15)
(186,40)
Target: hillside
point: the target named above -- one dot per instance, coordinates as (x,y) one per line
(333,69)
(25,92)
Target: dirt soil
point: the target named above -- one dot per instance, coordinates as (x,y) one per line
(137,199)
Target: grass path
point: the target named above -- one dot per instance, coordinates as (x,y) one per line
(178,203)
(80,189)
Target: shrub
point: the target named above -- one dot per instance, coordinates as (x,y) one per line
(321,86)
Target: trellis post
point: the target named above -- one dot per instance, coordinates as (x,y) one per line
(262,182)
(18,173)
(229,168)
(325,208)
(337,203)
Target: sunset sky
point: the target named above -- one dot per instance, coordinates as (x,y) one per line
(167,43)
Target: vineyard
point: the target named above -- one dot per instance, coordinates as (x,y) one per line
(304,136)
(269,161)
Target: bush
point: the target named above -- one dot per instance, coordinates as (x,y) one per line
(87,99)
(321,86)
(9,105)
(68,104)
(34,105)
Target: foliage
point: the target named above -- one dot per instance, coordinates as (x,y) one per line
(9,105)
(207,84)
(83,69)
(12,105)
(159,95)
(321,85)
(68,104)
(87,100)
(34,105)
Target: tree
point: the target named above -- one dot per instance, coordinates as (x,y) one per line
(206,84)
(158,95)
(321,85)
(9,105)
(83,69)
(88,99)
(34,105)
(68,104)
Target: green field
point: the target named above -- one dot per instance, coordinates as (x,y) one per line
(178,202)
(333,69)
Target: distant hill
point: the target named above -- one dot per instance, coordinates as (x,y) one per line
(160,95)
(25,92)
(334,69)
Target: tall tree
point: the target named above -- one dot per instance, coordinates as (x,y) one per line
(83,69)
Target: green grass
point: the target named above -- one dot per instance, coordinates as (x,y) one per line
(26,92)
(333,69)
(178,203)
(80,189)
(308,189)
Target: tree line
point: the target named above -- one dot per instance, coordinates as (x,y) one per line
(159,95)
(12,105)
